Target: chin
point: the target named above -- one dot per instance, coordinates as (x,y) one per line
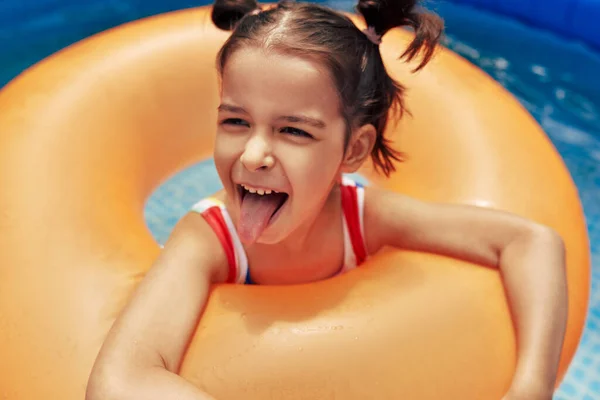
(271,238)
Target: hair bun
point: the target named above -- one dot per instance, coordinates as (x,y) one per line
(384,15)
(227,13)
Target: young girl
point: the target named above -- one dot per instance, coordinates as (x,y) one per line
(305,97)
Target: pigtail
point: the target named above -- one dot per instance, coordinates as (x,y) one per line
(227,13)
(384,15)
(428,32)
(380,95)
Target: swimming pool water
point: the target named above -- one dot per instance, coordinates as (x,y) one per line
(556,80)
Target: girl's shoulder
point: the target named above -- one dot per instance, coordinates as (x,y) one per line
(383,210)
(193,237)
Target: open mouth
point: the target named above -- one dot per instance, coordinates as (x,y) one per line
(267,201)
(258,209)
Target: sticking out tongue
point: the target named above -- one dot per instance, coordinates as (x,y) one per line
(256,212)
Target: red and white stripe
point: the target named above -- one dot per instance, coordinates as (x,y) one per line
(218,218)
(353,200)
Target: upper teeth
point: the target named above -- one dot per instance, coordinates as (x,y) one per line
(258,191)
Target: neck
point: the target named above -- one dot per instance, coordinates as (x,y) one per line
(300,239)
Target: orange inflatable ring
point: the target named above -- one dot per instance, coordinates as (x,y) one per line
(89,133)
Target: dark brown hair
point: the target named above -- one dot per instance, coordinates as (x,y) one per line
(366,91)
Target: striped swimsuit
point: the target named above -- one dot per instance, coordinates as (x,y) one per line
(355,253)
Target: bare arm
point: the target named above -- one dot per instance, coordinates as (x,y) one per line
(531,258)
(143,351)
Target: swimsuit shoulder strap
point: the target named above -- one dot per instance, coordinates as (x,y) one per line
(216,215)
(355,252)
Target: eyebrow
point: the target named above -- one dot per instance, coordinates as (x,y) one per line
(301,119)
(233,109)
(297,119)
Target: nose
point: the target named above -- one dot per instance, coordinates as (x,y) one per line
(257,154)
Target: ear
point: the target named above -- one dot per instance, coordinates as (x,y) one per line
(359,148)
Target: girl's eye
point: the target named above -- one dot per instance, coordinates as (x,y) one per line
(296,132)
(235,122)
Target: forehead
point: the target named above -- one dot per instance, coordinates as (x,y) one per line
(266,78)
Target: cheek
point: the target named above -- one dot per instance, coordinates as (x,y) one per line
(224,154)
(312,172)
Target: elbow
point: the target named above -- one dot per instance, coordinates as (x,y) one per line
(546,247)
(548,238)
(538,246)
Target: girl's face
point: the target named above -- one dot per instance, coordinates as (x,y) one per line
(279,130)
